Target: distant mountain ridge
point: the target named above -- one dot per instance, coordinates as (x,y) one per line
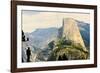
(42,37)
(85,31)
(44,34)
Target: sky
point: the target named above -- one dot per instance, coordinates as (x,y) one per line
(32,20)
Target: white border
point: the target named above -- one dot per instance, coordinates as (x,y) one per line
(54,63)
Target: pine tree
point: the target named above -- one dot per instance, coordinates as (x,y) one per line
(23,36)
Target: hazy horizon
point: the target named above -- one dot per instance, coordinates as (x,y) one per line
(32,20)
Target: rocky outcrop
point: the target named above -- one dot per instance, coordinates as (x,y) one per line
(71,32)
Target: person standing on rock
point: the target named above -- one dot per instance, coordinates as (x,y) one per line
(28,53)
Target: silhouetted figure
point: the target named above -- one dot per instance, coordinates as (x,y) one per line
(28,53)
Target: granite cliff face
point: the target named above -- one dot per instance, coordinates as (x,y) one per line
(71,32)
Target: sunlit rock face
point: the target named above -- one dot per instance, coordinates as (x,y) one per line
(71,32)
